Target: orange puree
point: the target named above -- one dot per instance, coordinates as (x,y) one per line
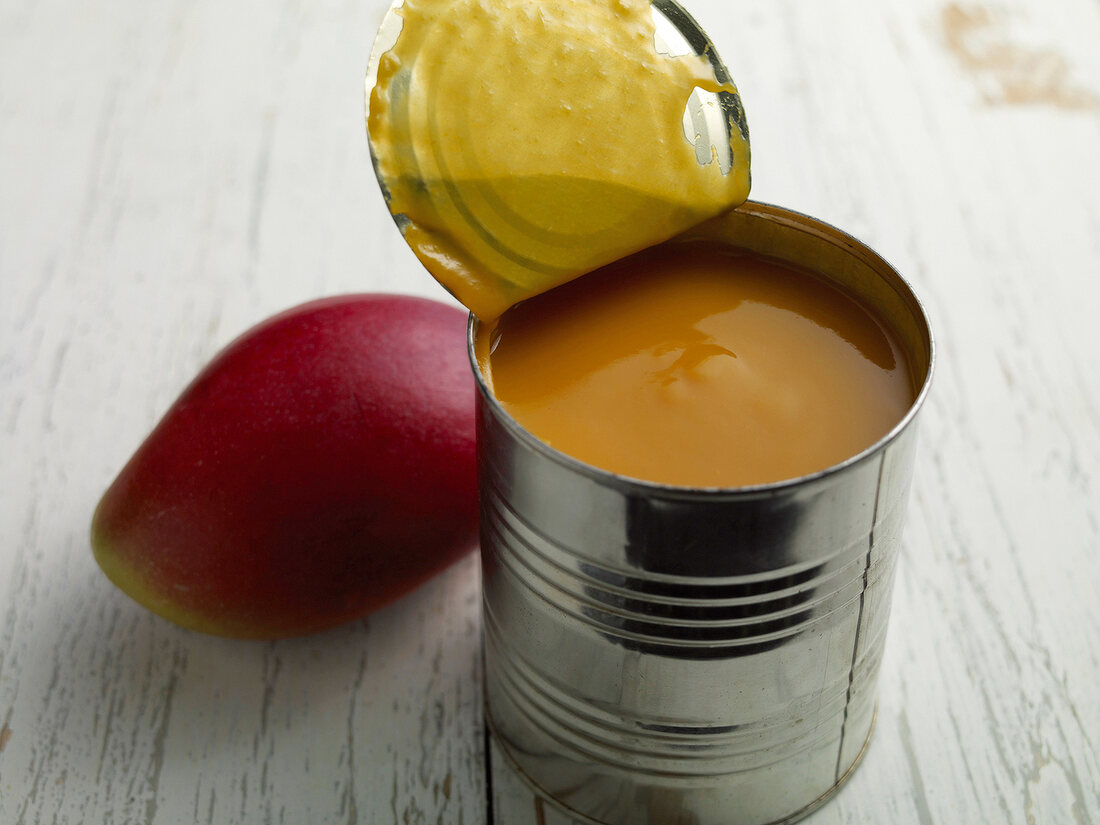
(698,365)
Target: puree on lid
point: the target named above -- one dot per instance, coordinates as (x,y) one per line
(522,144)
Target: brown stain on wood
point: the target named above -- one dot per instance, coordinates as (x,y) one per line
(5,735)
(1007,73)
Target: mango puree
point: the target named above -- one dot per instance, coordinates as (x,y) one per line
(523,144)
(699,365)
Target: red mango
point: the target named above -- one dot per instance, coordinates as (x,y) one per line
(320,466)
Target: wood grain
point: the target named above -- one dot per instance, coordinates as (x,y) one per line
(173,172)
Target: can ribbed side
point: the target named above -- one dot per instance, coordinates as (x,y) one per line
(607,682)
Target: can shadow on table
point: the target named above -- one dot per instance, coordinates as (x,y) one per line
(661,655)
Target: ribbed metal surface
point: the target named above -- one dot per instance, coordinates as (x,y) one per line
(656,654)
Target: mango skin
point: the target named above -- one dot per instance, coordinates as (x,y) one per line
(322,465)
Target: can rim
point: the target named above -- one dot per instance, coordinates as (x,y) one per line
(665,490)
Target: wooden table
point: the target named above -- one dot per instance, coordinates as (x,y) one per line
(173,172)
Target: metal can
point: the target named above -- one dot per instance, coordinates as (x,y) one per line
(659,655)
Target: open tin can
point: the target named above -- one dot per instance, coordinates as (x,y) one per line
(660,655)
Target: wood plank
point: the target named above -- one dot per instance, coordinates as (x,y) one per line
(172,173)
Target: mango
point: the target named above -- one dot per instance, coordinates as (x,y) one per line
(319,467)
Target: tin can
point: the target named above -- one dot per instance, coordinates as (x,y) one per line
(659,655)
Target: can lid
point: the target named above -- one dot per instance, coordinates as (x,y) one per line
(521,145)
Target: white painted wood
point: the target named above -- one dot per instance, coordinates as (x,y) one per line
(172,172)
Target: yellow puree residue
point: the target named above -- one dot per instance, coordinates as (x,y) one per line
(697,365)
(527,143)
